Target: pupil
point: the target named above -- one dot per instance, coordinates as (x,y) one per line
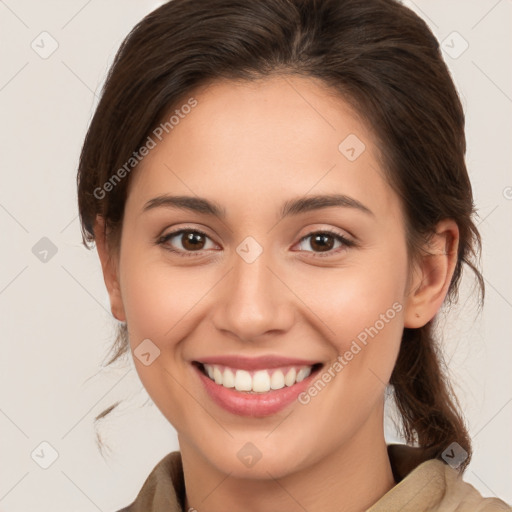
(193,239)
(321,237)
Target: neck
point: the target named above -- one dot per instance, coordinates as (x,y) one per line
(351,478)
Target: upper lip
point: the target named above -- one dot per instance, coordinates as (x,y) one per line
(255,363)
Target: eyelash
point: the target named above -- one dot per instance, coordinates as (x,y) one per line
(340,238)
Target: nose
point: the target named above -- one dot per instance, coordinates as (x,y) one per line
(254,301)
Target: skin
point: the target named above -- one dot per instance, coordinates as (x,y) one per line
(250,147)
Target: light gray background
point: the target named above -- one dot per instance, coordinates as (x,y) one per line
(56,325)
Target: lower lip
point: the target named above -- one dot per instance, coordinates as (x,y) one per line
(253,404)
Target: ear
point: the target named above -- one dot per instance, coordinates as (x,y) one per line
(432,276)
(109,266)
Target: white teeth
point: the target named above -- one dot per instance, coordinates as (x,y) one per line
(259,381)
(243,381)
(289,380)
(228,380)
(303,373)
(277,380)
(217,375)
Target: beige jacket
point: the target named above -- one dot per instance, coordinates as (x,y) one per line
(423,486)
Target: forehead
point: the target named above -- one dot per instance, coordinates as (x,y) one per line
(250,144)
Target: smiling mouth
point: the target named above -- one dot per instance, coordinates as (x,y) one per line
(259,381)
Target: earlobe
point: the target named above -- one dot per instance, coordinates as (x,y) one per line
(110,270)
(432,275)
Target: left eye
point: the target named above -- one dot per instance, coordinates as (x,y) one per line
(323,241)
(193,240)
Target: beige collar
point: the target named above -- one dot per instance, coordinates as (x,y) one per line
(423,483)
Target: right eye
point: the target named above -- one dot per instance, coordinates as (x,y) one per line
(191,240)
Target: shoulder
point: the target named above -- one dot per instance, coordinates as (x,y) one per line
(462,496)
(431,485)
(163,489)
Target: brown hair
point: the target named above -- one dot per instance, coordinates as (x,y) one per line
(377,55)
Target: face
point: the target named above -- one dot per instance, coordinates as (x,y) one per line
(258,296)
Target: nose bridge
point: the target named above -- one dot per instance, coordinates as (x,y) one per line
(252,279)
(253,300)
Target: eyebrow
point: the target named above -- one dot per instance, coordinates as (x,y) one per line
(290,207)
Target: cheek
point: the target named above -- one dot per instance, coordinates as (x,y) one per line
(368,335)
(157,297)
(355,303)
(367,325)
(362,308)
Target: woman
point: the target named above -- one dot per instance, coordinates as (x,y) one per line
(279,199)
